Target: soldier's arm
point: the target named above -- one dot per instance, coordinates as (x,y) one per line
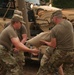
(60,70)
(16,42)
(24,36)
(52,43)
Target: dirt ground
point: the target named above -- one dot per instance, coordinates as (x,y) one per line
(31,67)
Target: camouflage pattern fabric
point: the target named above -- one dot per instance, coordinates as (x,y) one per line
(20,58)
(51,65)
(68,69)
(44,69)
(8,63)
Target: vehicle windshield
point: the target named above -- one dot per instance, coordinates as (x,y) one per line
(7,8)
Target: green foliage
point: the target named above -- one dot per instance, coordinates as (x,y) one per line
(63,3)
(46,1)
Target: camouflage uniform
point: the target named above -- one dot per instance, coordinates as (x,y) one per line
(8,63)
(63,54)
(19,56)
(68,69)
(44,65)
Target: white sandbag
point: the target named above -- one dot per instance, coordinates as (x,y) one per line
(35,41)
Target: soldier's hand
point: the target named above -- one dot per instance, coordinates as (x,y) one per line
(35,51)
(15,50)
(35,54)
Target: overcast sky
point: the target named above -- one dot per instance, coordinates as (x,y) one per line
(33,1)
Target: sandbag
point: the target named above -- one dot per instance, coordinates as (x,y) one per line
(35,41)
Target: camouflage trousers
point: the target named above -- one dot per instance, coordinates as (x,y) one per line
(20,58)
(50,64)
(8,64)
(68,69)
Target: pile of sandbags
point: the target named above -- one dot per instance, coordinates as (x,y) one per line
(35,41)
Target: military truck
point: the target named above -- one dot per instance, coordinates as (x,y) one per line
(34,25)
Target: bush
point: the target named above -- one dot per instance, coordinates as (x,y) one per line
(63,3)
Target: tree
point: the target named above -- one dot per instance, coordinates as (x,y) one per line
(62,3)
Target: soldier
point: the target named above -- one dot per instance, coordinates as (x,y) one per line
(22,34)
(8,37)
(62,42)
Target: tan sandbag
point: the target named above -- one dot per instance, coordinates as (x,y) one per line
(35,41)
(1,27)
